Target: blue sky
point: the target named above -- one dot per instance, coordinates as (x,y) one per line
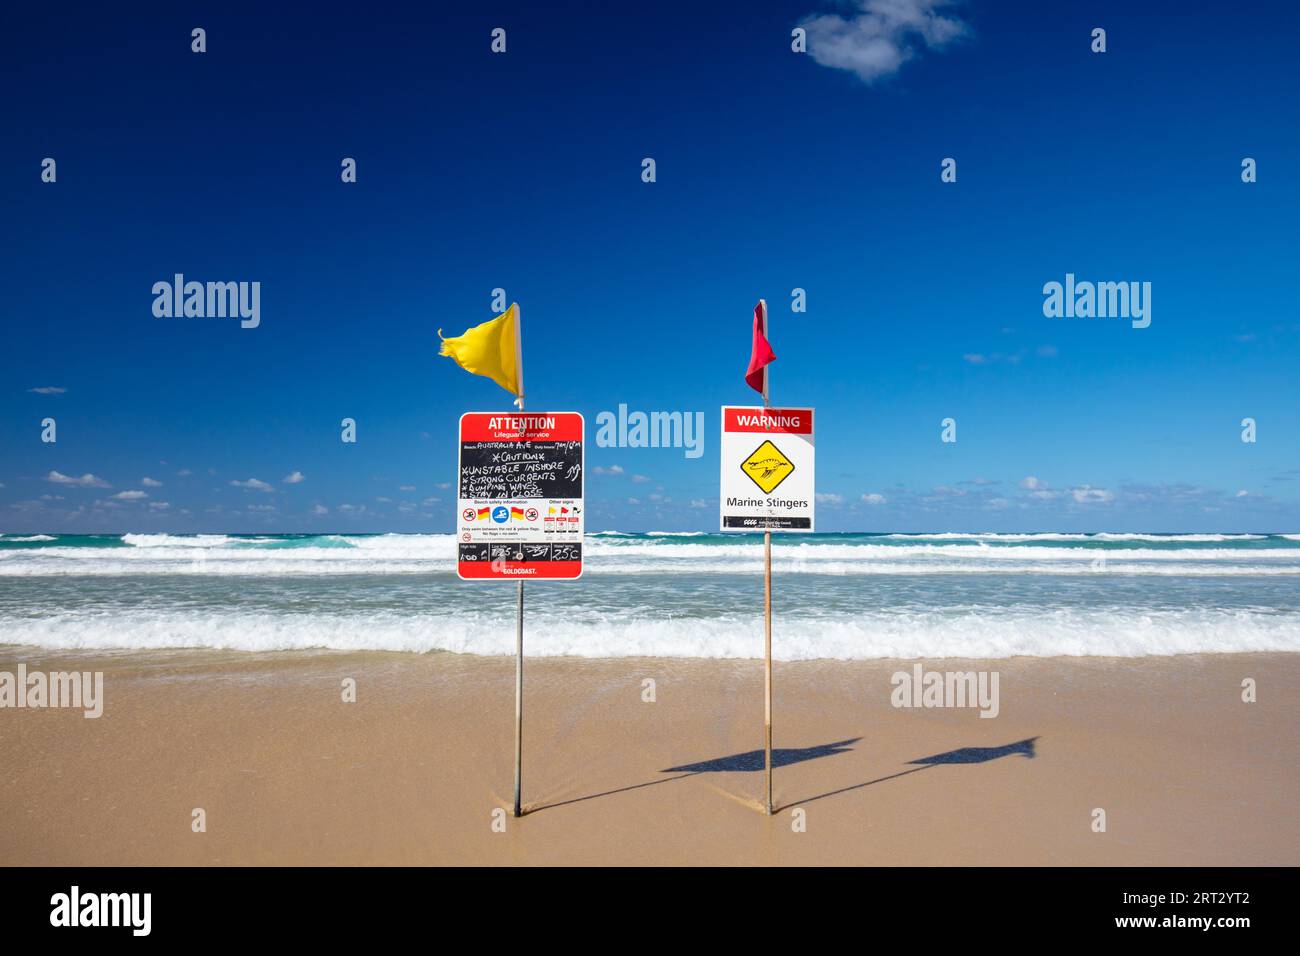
(775,170)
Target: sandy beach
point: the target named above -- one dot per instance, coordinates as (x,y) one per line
(412,771)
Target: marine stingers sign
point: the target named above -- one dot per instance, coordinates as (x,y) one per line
(519,495)
(767,469)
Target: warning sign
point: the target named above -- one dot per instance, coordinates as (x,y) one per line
(767,469)
(519,497)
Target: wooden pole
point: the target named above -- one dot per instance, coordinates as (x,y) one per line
(519,693)
(519,606)
(767,617)
(767,656)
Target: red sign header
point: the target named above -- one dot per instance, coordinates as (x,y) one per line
(796,421)
(521,426)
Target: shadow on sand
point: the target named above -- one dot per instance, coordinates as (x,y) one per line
(1024,748)
(752,760)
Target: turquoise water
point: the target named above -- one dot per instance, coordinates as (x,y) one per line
(1097,541)
(695,595)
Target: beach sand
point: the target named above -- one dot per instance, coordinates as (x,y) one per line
(287,773)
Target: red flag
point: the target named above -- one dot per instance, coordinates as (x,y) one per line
(762,353)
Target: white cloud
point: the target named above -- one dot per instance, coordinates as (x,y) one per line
(183,472)
(611,470)
(699,503)
(293,478)
(406,488)
(253,485)
(947,491)
(640,479)
(320,510)
(881,35)
(1037,488)
(829,498)
(1087,493)
(160,505)
(634,501)
(873,499)
(130,495)
(1242,493)
(85,481)
(150,483)
(994,358)
(261,507)
(48,390)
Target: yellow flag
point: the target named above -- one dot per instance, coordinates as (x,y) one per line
(491,349)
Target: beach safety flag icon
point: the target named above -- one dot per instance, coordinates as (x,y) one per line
(767,467)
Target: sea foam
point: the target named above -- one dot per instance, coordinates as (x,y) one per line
(671,595)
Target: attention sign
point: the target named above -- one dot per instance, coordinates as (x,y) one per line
(519,495)
(767,469)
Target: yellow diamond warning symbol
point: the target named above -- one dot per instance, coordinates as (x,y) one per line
(767,467)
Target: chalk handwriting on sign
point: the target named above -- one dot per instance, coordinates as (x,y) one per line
(521,470)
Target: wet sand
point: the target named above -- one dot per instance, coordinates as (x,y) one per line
(412,772)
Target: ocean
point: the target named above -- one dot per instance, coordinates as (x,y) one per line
(838,596)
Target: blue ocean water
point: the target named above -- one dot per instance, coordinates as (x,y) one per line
(664,594)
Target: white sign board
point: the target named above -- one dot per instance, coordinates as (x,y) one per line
(767,469)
